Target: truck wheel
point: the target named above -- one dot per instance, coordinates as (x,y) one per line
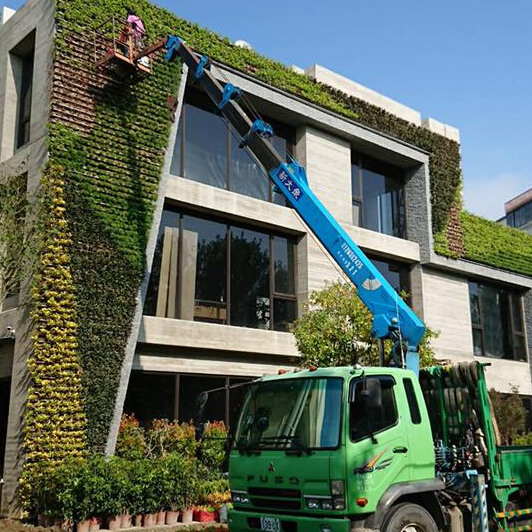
(408,517)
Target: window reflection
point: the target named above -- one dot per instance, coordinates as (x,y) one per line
(205,147)
(377,196)
(250,280)
(207,270)
(396,273)
(497,322)
(207,151)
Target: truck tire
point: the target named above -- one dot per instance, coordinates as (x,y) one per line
(408,517)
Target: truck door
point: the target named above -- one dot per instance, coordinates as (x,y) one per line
(377,442)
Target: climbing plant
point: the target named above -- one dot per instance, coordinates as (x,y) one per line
(55,422)
(17,251)
(108,134)
(112,152)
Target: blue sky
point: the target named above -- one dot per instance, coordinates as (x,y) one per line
(465,63)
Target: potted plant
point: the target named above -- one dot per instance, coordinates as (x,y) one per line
(189,489)
(150,498)
(96,491)
(175,469)
(117,481)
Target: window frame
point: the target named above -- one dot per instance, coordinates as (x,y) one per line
(177,387)
(512,297)
(194,97)
(352,383)
(364,162)
(229,225)
(411,399)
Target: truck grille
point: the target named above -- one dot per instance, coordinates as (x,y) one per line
(275,498)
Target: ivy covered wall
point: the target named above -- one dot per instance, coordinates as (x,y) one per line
(109,134)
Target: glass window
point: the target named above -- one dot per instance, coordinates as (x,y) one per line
(292,414)
(366,421)
(283,262)
(247,176)
(22,59)
(396,273)
(210,271)
(205,147)
(190,386)
(413,406)
(207,150)
(5,390)
(250,279)
(173,396)
(150,396)
(377,196)
(203,265)
(497,322)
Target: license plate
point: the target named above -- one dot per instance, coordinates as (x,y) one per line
(270,524)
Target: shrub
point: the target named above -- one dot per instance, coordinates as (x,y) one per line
(523,439)
(212,447)
(131,442)
(165,437)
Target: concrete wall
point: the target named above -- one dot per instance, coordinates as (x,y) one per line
(38,16)
(447,311)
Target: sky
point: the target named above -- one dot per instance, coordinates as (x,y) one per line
(467,63)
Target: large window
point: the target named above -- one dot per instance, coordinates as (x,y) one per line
(207,150)
(396,273)
(174,396)
(521,216)
(377,196)
(21,58)
(211,271)
(497,321)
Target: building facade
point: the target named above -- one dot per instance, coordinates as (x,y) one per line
(518,212)
(228,266)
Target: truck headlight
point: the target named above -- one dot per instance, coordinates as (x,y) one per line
(313,504)
(326,504)
(338,494)
(239,497)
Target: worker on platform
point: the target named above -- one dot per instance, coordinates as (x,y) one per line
(136,27)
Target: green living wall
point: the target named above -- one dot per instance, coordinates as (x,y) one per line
(112,162)
(111,153)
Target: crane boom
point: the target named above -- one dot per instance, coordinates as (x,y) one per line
(392,318)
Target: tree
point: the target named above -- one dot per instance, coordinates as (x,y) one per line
(16,244)
(510,413)
(336,330)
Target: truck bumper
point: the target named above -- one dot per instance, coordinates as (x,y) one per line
(240,521)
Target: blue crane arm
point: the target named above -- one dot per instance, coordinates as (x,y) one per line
(392,317)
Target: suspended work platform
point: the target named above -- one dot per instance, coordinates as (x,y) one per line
(119,47)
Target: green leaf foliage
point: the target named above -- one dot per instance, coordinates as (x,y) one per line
(510,414)
(496,245)
(336,331)
(113,162)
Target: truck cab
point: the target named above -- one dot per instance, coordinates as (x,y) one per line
(318,449)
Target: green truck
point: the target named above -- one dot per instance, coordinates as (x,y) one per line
(349,448)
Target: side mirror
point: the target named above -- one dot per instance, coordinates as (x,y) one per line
(200,408)
(371,393)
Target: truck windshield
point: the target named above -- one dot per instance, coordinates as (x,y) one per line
(291,414)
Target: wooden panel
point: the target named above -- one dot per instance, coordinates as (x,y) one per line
(187,280)
(173,274)
(162,293)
